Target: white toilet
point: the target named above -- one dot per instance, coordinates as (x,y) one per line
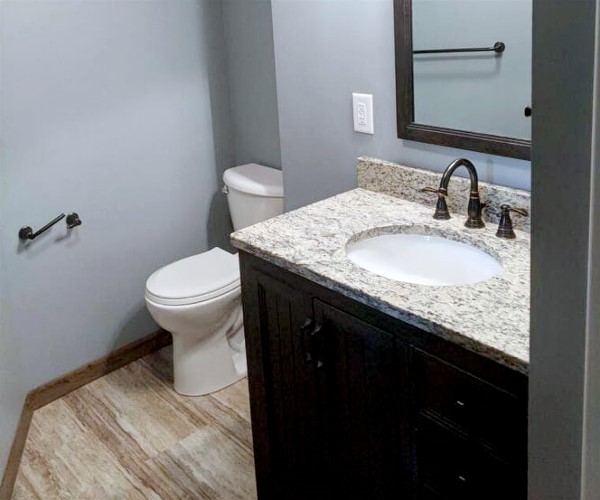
(198,299)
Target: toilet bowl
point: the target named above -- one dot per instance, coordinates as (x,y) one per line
(198,299)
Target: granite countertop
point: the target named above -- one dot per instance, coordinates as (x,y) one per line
(490,317)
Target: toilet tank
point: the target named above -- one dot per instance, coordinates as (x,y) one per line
(254,193)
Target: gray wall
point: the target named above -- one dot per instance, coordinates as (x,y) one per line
(563,135)
(249,36)
(324,51)
(478,91)
(117,110)
(591,429)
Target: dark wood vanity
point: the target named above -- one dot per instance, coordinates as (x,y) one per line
(348,402)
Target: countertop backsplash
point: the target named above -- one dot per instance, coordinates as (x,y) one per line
(406,183)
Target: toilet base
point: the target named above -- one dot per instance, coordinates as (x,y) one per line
(206,367)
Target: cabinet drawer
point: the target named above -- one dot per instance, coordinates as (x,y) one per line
(484,412)
(451,467)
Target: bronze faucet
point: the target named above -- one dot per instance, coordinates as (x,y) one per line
(475,206)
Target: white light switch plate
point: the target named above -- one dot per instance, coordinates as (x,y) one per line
(362,110)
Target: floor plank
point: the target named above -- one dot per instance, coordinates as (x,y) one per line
(128,435)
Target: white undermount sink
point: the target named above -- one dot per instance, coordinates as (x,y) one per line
(423,259)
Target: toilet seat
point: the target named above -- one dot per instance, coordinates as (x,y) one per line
(194,279)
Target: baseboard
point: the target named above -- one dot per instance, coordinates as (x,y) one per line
(57,388)
(60,386)
(16,450)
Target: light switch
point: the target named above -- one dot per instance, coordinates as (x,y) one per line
(362,107)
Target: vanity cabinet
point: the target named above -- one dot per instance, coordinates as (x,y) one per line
(348,402)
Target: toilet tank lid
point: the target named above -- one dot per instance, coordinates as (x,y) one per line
(255,179)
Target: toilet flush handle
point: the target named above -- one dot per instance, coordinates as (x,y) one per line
(225,189)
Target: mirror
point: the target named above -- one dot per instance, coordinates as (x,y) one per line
(463,74)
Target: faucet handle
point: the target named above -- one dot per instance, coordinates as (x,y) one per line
(429,189)
(505,228)
(520,211)
(441,207)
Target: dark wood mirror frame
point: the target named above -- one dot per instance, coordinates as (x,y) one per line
(405,104)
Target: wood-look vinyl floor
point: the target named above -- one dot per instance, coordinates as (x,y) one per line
(129,435)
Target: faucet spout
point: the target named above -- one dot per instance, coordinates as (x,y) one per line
(459,163)
(475,206)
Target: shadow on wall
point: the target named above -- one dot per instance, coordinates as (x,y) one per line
(137,320)
(43,242)
(219,225)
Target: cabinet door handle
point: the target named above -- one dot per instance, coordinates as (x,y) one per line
(314,342)
(306,326)
(318,345)
(310,335)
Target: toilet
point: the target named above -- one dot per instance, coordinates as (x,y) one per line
(198,299)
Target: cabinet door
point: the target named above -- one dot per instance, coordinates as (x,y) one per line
(282,387)
(361,370)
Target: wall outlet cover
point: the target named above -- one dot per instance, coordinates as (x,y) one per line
(362,111)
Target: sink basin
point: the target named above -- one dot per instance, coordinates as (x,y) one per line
(423,259)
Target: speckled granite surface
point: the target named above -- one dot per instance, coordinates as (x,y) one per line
(491,317)
(405,183)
